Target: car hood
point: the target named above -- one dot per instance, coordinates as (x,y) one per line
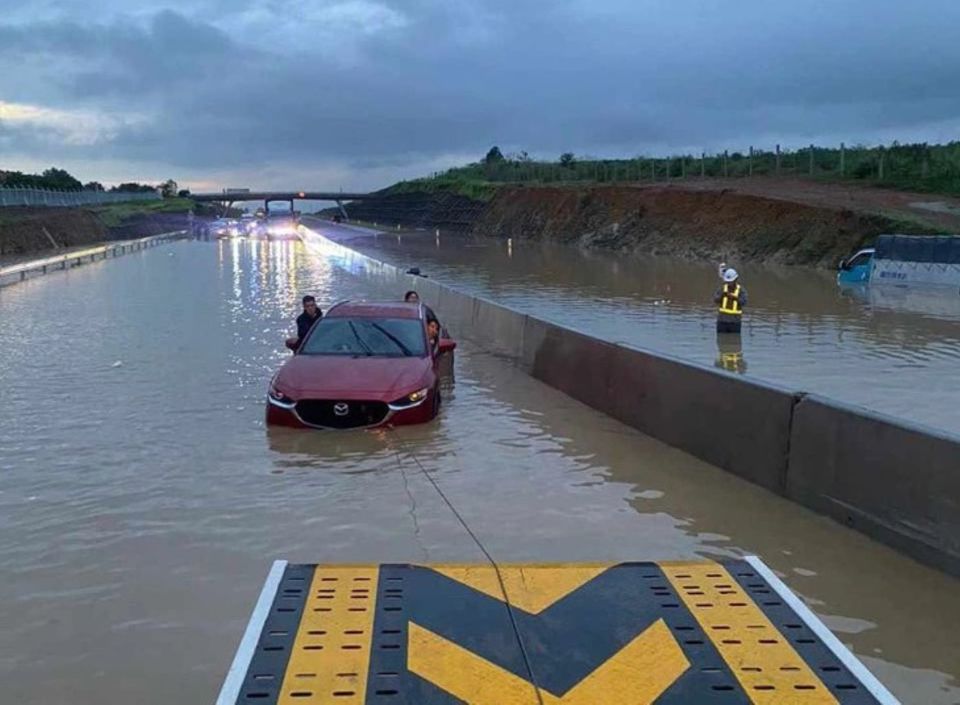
(342,377)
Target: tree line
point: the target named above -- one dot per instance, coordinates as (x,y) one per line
(61,180)
(920,166)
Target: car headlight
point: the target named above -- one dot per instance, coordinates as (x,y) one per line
(279,398)
(419,395)
(411,400)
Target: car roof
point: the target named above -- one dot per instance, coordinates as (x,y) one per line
(375,309)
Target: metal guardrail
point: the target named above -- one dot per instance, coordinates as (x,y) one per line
(21,272)
(46,198)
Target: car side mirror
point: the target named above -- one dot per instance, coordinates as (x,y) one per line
(292,343)
(446,345)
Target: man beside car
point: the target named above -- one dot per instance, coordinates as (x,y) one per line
(306,320)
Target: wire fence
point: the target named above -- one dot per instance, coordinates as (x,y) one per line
(919,166)
(47,198)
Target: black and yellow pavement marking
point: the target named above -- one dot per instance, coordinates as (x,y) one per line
(625,634)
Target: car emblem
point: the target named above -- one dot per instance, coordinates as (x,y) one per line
(341,409)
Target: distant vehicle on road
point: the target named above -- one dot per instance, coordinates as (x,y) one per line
(922,260)
(247,224)
(363,365)
(282,220)
(224,228)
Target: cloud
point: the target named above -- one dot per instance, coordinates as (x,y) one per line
(365,89)
(74,128)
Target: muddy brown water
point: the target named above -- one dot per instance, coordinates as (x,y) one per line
(142,500)
(889,349)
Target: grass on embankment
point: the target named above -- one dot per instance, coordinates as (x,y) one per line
(116,214)
(476,189)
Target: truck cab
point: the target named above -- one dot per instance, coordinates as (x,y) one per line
(856,269)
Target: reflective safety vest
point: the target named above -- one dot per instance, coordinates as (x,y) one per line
(730,303)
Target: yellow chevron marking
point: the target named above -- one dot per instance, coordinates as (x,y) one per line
(636,675)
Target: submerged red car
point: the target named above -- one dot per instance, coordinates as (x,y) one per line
(362,365)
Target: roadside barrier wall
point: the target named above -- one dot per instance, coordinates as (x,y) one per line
(38,267)
(895,482)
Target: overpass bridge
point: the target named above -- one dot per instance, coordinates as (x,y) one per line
(229,197)
(234,196)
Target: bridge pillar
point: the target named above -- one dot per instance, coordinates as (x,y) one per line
(343,211)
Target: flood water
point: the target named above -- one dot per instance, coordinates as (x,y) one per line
(142,500)
(890,349)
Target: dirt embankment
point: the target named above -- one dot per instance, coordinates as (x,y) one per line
(447,211)
(776,221)
(685,223)
(41,231)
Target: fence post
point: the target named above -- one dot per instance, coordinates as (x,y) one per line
(777,167)
(843,159)
(750,163)
(726,154)
(880,165)
(811,160)
(703,165)
(653,169)
(683,168)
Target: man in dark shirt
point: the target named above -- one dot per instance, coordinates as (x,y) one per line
(306,320)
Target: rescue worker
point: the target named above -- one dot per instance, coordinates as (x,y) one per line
(306,320)
(732,298)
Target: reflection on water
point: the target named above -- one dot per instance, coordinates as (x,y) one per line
(891,349)
(141,502)
(730,353)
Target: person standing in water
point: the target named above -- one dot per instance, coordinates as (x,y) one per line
(731,298)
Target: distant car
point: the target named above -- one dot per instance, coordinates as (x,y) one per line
(362,365)
(247,224)
(224,228)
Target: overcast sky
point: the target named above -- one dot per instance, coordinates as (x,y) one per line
(359,93)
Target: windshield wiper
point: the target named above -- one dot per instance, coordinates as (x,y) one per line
(403,348)
(367,350)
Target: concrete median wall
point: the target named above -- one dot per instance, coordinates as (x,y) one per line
(894,482)
(891,480)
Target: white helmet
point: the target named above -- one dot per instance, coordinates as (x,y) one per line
(730,275)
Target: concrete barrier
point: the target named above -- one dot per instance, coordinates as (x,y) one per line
(27,270)
(888,479)
(893,481)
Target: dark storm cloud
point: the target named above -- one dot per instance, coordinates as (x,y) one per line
(380,83)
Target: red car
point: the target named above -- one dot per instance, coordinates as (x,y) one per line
(362,365)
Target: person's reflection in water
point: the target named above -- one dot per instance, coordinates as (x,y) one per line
(730,353)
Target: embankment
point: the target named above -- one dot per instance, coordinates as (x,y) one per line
(896,482)
(444,210)
(37,231)
(662,220)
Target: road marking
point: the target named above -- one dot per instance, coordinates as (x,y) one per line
(532,588)
(636,675)
(768,669)
(331,653)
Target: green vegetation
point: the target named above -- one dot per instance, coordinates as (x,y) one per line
(915,167)
(116,213)
(477,189)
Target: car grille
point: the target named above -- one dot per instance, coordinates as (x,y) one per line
(323,412)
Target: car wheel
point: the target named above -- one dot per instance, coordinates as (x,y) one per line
(437,401)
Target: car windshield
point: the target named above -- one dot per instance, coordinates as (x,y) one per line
(367,337)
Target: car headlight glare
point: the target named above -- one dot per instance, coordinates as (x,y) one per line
(419,395)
